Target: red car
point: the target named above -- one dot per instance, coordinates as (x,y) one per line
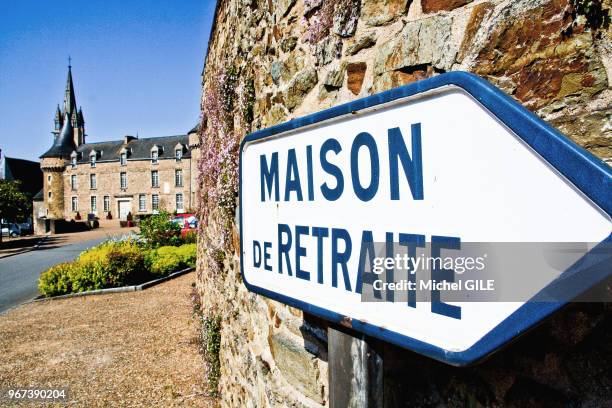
(187,222)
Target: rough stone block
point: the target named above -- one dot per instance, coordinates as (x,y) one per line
(432,6)
(297,365)
(335,77)
(367,40)
(299,87)
(381,12)
(328,50)
(356,73)
(479,12)
(420,42)
(546,66)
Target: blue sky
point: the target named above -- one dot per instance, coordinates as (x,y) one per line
(136,67)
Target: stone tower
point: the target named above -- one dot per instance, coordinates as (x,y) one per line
(68,135)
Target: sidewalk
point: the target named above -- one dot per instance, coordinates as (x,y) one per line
(122,349)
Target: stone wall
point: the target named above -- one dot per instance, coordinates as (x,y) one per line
(53,187)
(273,60)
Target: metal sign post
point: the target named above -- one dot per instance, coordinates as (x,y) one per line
(355,369)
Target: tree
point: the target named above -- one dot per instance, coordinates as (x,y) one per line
(14,205)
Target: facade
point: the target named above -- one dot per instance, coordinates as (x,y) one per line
(113,179)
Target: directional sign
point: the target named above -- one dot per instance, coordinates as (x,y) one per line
(427,168)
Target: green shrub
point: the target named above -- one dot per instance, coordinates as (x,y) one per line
(56,280)
(188,254)
(110,264)
(167,259)
(158,230)
(163,261)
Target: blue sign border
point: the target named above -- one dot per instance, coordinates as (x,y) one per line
(588,173)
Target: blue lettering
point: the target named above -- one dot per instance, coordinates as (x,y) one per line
(292,181)
(284,248)
(413,168)
(320,233)
(300,251)
(331,194)
(439,274)
(340,258)
(267,256)
(269,175)
(367,193)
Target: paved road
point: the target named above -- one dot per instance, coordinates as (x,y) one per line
(19,273)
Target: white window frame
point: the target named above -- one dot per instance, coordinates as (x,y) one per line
(178,154)
(106,203)
(178,177)
(154,156)
(123,180)
(155,202)
(182,201)
(154,180)
(93,204)
(73,182)
(123,159)
(73,162)
(93,181)
(142,202)
(92,160)
(74,204)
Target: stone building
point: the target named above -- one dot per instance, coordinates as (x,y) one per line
(115,178)
(270,61)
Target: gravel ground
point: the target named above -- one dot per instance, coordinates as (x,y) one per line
(122,349)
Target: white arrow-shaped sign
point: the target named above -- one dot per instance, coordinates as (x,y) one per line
(425,170)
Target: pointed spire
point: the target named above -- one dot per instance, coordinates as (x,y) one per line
(69,98)
(81,118)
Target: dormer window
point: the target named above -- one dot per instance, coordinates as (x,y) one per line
(155,150)
(178,154)
(73,160)
(123,159)
(92,158)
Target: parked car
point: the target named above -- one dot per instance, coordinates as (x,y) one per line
(25,228)
(11,230)
(187,222)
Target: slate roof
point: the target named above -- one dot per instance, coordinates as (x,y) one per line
(38,196)
(63,144)
(139,148)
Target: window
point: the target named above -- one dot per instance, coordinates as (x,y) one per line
(142,204)
(123,159)
(154,156)
(154,178)
(92,160)
(73,162)
(94,203)
(178,153)
(73,182)
(179,201)
(178,178)
(123,179)
(75,204)
(155,202)
(49,178)
(49,195)
(92,181)
(106,203)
